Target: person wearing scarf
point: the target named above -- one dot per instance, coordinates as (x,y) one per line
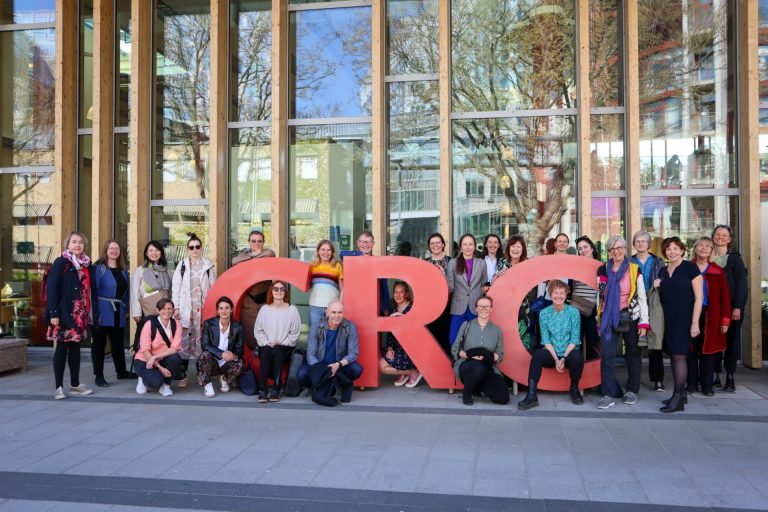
(150,282)
(68,293)
(621,287)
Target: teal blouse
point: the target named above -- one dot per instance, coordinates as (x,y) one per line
(560,328)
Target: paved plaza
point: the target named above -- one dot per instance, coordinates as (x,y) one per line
(391,449)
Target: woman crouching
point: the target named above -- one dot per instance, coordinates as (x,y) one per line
(157,361)
(222,349)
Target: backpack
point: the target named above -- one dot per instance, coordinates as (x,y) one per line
(46,273)
(184,269)
(155,325)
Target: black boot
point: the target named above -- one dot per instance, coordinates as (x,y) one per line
(730,385)
(716,383)
(531,399)
(676,403)
(669,400)
(576,397)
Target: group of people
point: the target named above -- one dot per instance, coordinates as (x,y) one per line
(690,309)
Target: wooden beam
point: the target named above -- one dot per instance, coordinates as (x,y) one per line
(749,160)
(632,133)
(140,152)
(444,92)
(584,184)
(379,127)
(65,119)
(102,179)
(280,221)
(217,203)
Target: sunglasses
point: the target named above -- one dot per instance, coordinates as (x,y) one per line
(256,241)
(278,289)
(194,247)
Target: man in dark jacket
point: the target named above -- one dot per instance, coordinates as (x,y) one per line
(334,345)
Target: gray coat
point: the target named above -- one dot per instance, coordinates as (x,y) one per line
(464,293)
(347,344)
(656,320)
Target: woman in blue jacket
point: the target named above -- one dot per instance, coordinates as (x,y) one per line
(109,296)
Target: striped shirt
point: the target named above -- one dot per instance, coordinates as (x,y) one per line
(325,284)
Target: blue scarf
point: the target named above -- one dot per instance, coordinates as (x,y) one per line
(611,312)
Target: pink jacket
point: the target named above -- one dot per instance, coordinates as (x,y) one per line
(148,347)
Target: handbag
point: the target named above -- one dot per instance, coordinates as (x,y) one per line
(292,384)
(247,383)
(584,305)
(623,325)
(149,302)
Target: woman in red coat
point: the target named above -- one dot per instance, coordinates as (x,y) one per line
(714,320)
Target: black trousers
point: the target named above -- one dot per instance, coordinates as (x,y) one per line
(656,365)
(732,348)
(543,359)
(271,361)
(476,377)
(99,337)
(66,352)
(590,334)
(701,367)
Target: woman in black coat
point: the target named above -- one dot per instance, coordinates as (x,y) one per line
(221,356)
(68,305)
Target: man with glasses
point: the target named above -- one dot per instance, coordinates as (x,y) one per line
(256,296)
(365,244)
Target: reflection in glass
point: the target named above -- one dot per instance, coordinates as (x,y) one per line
(515,176)
(250,192)
(84,177)
(26,230)
(330,63)
(686,94)
(27,94)
(606,78)
(606,152)
(122,178)
(513,54)
(170,225)
(412,37)
(182,77)
(251,80)
(122,61)
(414,167)
(330,189)
(688,217)
(607,220)
(27,11)
(85,80)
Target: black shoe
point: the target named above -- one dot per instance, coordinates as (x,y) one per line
(691,388)
(708,393)
(101,382)
(576,397)
(730,385)
(717,384)
(676,403)
(669,400)
(346,394)
(274,395)
(263,398)
(124,376)
(659,386)
(531,399)
(466,398)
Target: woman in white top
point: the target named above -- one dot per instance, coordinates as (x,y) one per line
(192,280)
(276,331)
(584,299)
(493,256)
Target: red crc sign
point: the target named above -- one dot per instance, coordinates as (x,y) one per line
(430,292)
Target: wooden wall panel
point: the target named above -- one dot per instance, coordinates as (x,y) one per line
(217,177)
(280,221)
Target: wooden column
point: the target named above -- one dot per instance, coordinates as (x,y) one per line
(65,119)
(584,185)
(280,221)
(217,203)
(103,121)
(749,164)
(632,133)
(444,89)
(140,152)
(379,127)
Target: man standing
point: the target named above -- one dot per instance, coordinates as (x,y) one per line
(365,243)
(335,346)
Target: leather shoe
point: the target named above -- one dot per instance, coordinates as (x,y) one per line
(576,397)
(717,384)
(101,382)
(467,399)
(668,400)
(676,403)
(730,385)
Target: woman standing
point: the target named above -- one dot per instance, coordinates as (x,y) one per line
(480,348)
(256,296)
(150,282)
(395,360)
(327,282)
(109,296)
(681,287)
(466,276)
(276,331)
(493,256)
(713,322)
(516,251)
(192,280)
(584,298)
(622,314)
(736,274)
(441,326)
(561,243)
(68,295)
(222,349)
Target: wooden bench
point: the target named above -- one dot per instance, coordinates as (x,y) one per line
(13,354)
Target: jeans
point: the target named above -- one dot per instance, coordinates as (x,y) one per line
(610,344)
(456,321)
(153,378)
(316,315)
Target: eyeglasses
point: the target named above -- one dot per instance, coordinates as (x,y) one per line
(365,242)
(194,247)
(483,307)
(278,288)
(256,241)
(619,248)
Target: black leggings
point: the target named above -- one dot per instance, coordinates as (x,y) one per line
(271,361)
(543,359)
(99,337)
(476,377)
(66,351)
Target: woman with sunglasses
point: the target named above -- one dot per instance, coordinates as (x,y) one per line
(276,331)
(192,280)
(256,296)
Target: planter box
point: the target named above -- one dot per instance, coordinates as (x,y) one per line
(13,354)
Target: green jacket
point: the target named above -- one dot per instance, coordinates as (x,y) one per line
(471,335)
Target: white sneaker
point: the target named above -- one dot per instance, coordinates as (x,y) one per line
(208,391)
(140,387)
(82,389)
(224,385)
(59,394)
(165,390)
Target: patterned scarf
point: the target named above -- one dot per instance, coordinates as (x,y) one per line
(611,312)
(78,261)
